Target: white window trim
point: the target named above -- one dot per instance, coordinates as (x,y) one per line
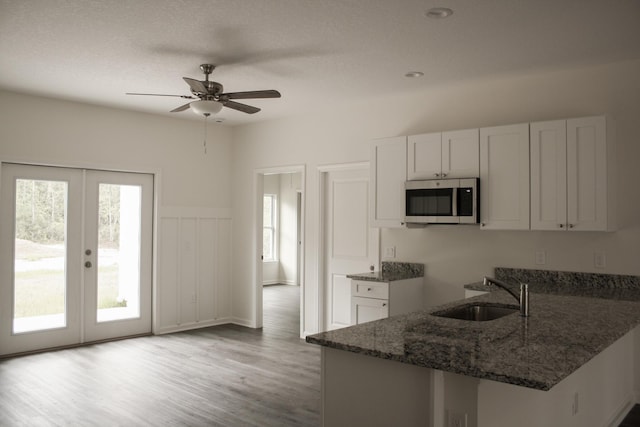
(274,227)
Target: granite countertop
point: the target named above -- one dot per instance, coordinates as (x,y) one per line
(561,334)
(391,271)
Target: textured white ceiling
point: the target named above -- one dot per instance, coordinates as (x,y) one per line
(315,52)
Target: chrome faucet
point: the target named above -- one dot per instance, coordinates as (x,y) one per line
(523,299)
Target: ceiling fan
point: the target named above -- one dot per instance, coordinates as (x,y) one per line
(210,97)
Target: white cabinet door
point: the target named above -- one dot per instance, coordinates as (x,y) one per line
(453,154)
(504,177)
(587,187)
(549,175)
(569,175)
(424,156)
(460,154)
(368,309)
(388,175)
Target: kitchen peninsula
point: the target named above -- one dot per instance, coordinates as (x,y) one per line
(571,363)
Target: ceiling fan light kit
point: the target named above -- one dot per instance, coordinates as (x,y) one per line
(211,96)
(205,108)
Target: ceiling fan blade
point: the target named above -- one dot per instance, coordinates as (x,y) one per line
(159,94)
(195,85)
(241,107)
(180,108)
(254,94)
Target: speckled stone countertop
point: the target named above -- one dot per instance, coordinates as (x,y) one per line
(561,334)
(609,286)
(391,271)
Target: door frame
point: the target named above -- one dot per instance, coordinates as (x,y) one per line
(258,185)
(156,203)
(322,172)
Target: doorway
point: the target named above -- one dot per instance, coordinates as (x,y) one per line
(279,243)
(76,249)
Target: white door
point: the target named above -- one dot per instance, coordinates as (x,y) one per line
(350,245)
(75,251)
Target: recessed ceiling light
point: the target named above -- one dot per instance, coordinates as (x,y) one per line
(439,12)
(412,74)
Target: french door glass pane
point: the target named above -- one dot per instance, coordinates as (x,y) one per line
(119,228)
(40,255)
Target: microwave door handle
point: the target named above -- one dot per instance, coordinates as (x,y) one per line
(454,202)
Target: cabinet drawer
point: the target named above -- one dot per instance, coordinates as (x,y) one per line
(362,288)
(368,309)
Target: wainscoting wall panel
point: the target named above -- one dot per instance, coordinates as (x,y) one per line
(193,287)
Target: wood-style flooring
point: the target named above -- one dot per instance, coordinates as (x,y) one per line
(633,418)
(218,376)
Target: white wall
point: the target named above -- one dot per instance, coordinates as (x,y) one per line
(190,183)
(453,255)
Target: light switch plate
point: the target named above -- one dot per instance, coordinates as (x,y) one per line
(457,419)
(390,252)
(599,260)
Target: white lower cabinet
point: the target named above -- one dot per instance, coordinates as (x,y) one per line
(378,300)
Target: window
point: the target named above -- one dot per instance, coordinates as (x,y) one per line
(269,228)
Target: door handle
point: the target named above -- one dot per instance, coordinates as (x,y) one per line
(88,264)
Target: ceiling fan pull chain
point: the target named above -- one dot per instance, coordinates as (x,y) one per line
(206,116)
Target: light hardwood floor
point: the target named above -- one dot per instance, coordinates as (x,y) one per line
(218,376)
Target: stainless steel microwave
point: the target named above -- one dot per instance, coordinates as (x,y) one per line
(442,201)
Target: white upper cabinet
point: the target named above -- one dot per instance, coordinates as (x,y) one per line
(388,175)
(549,175)
(504,177)
(441,155)
(590,203)
(570,187)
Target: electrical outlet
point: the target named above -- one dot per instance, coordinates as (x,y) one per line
(193,297)
(457,419)
(390,252)
(541,257)
(599,260)
(574,404)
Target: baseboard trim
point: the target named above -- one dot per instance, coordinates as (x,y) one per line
(242,322)
(190,326)
(622,411)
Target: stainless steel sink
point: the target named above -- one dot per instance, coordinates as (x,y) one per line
(477,312)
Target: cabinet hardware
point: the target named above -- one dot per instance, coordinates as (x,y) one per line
(571,225)
(561,225)
(87,252)
(87,264)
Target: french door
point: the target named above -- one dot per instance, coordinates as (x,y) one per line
(75,256)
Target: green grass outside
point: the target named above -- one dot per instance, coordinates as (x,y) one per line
(41,292)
